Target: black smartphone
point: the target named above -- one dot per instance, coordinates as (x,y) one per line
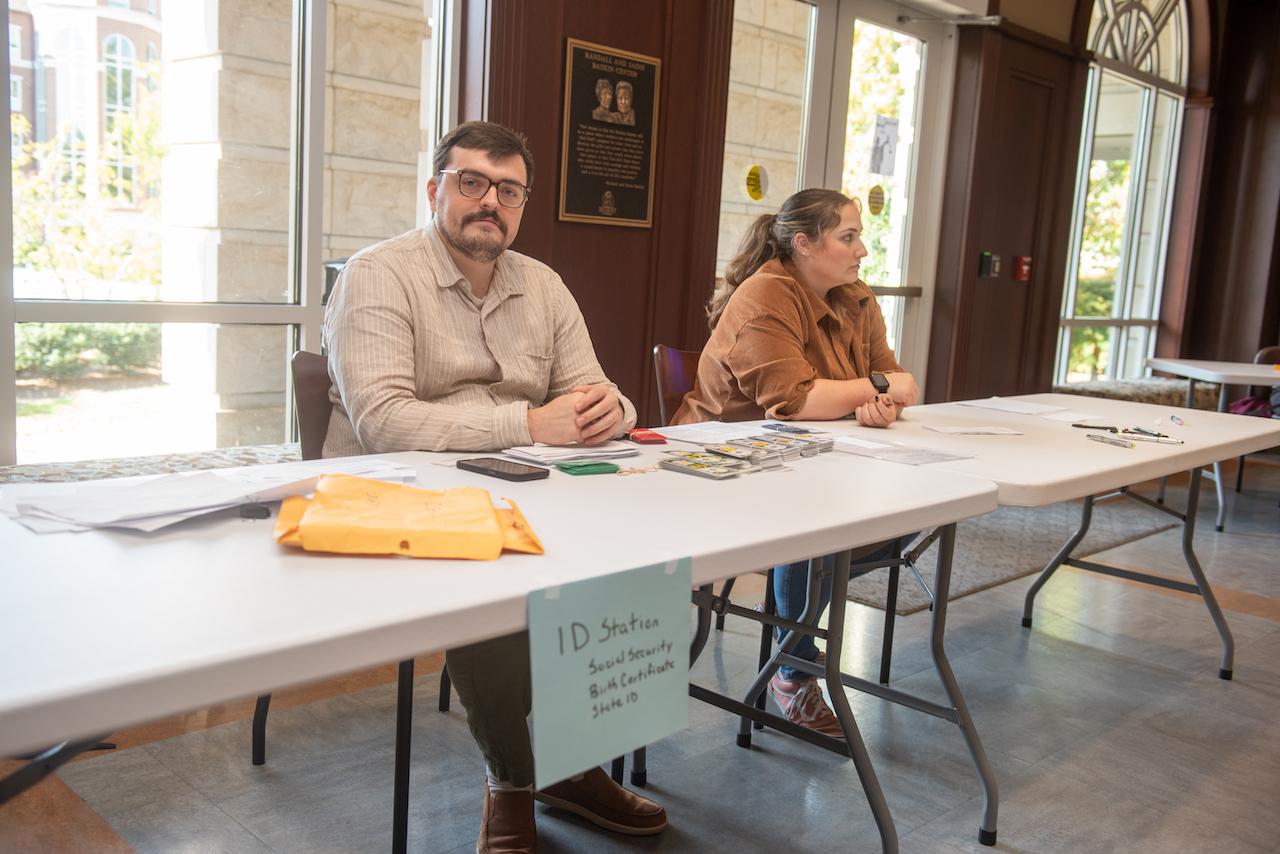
(505,469)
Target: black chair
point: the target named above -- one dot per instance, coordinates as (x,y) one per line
(1266,356)
(311,386)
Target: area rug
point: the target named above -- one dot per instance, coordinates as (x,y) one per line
(1010,543)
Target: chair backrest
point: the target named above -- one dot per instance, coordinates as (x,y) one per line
(1266,356)
(311,386)
(676,371)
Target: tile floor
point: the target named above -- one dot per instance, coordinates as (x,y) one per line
(1106,724)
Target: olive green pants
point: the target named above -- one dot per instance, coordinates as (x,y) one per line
(492,680)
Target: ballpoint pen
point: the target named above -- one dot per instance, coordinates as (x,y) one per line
(1111,440)
(1144,437)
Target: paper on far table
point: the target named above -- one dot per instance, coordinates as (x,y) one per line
(975,431)
(895,452)
(1071,417)
(1004,404)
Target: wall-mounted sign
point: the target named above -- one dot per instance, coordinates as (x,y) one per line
(757,183)
(610,120)
(875,200)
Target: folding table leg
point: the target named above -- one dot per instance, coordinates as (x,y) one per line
(1206,592)
(942,585)
(1086,515)
(840,705)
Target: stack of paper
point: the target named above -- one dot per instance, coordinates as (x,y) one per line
(546,455)
(152,502)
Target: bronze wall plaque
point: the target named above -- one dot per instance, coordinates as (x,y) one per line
(610,122)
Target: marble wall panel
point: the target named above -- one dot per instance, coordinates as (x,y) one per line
(740,120)
(377,127)
(778,125)
(253,194)
(768,78)
(749,11)
(790,68)
(744,57)
(259,29)
(253,108)
(379,46)
(374,206)
(252,272)
(250,360)
(781,15)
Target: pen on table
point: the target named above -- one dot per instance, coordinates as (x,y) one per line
(1142,437)
(1111,441)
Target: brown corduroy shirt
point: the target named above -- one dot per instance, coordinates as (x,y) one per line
(775,338)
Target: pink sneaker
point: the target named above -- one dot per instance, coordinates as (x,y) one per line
(802,703)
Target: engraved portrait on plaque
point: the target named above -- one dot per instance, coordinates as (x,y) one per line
(610,120)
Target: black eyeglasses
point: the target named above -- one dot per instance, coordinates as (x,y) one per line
(473,185)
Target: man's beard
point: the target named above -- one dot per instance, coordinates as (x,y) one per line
(483,249)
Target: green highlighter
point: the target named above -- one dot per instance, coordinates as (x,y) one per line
(587,467)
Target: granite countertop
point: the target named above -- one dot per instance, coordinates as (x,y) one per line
(248,455)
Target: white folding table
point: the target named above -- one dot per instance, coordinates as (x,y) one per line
(1224,374)
(1052,461)
(109,629)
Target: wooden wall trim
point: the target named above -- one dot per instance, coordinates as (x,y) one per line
(1190,202)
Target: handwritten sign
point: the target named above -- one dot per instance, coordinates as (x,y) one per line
(610,664)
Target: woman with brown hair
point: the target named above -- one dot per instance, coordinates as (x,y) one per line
(796,335)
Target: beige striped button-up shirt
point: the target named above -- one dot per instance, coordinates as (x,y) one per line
(418,363)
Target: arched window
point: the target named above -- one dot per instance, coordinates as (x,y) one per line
(71,62)
(118,63)
(1124,188)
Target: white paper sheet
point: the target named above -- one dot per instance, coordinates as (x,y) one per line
(1004,404)
(550,454)
(711,432)
(1068,416)
(151,502)
(895,452)
(975,431)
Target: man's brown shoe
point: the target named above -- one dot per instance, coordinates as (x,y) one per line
(598,799)
(506,826)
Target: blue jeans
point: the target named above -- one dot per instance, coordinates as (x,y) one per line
(790,588)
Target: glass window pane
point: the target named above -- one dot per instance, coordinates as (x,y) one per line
(1149,256)
(130,389)
(1090,353)
(1107,203)
(1137,342)
(880,138)
(380,154)
(764,127)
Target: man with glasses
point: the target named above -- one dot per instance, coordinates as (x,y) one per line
(443,339)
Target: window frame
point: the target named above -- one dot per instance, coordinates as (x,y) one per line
(306,271)
(1152,87)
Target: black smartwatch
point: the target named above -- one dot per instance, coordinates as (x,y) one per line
(881,384)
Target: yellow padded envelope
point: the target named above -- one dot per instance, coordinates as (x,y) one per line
(354,515)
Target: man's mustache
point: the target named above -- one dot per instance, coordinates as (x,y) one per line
(493,218)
